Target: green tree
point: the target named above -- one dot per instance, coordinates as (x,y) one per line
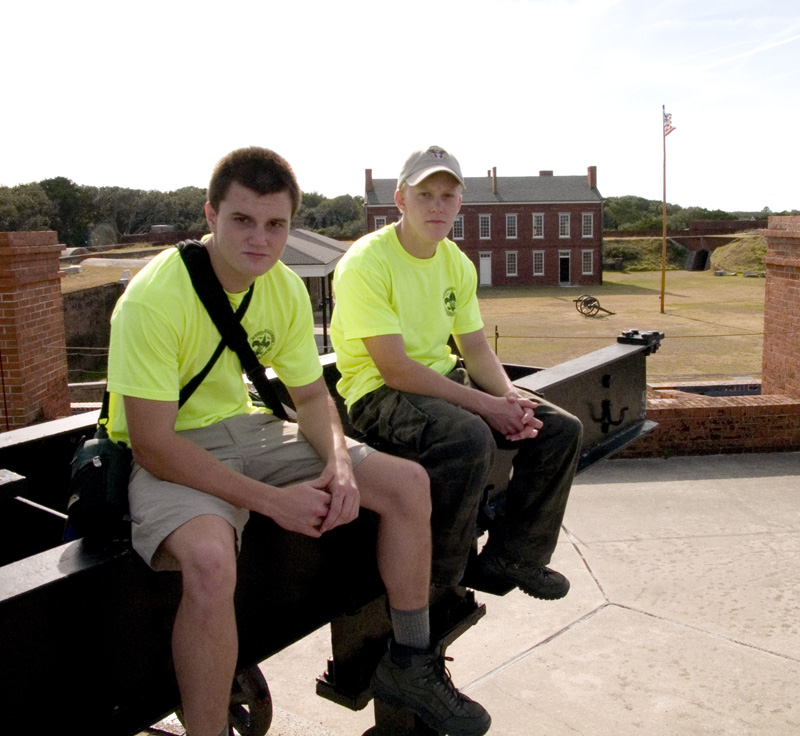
(72,207)
(25,207)
(341,217)
(185,209)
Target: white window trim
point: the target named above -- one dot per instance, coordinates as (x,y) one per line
(481,236)
(584,254)
(590,215)
(515,258)
(560,222)
(511,217)
(459,219)
(533,222)
(534,255)
(378,223)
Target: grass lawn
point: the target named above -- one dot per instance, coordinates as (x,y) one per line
(713,325)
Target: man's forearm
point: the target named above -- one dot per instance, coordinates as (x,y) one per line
(416,378)
(319,422)
(179,460)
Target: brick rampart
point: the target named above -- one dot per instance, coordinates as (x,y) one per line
(32,350)
(691,424)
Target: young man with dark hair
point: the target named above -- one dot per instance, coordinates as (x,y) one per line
(201,468)
(401,292)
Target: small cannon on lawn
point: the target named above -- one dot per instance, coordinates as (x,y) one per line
(589,306)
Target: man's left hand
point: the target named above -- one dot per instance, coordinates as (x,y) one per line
(345,498)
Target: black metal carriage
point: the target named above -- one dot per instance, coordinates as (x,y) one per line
(85,639)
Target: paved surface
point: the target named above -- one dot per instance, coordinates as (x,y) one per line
(683,618)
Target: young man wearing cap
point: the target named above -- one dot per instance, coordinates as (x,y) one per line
(401,292)
(202,467)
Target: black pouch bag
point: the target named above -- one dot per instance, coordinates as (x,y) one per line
(98,490)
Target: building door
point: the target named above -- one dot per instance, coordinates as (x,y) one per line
(563,268)
(485,272)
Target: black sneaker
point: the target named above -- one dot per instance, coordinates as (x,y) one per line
(419,681)
(539,582)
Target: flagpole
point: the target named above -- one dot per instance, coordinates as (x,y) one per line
(664,209)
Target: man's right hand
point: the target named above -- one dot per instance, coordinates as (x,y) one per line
(302,507)
(509,416)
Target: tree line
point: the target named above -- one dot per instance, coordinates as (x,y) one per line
(88,215)
(637,213)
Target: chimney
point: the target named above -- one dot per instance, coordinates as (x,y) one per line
(592,177)
(545,173)
(368,187)
(494,180)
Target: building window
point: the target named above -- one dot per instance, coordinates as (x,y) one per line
(587,262)
(458,228)
(563,224)
(588,225)
(380,222)
(511,263)
(538,263)
(485,226)
(538,225)
(511,226)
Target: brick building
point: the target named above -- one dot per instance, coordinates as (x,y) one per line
(542,229)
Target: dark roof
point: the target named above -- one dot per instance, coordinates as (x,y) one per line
(510,189)
(320,253)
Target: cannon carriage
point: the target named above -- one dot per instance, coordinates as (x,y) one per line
(86,628)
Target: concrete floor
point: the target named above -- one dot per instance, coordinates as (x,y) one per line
(683,617)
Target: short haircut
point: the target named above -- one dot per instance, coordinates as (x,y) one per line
(259,169)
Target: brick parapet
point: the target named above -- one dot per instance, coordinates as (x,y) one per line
(689,424)
(32,345)
(782,307)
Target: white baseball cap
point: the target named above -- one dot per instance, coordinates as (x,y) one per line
(421,164)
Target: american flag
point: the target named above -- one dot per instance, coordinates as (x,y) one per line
(668,126)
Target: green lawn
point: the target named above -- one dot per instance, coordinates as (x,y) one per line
(713,325)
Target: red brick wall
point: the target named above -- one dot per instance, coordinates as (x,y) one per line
(782,307)
(689,424)
(32,346)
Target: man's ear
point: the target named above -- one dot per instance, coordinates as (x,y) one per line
(400,200)
(211,217)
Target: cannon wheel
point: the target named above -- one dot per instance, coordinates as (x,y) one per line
(587,305)
(250,711)
(251,704)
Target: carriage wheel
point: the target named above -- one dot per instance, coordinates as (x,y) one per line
(250,710)
(587,305)
(591,306)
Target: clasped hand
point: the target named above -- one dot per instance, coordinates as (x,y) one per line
(517,420)
(316,506)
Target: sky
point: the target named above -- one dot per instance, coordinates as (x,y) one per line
(149,95)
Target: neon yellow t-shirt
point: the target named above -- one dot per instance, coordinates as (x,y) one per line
(381,289)
(162,336)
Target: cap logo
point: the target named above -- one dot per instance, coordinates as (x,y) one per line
(437,152)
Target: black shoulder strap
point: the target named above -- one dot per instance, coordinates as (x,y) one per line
(192,385)
(212,295)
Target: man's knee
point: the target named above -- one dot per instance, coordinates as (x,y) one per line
(205,549)
(471,434)
(559,423)
(395,486)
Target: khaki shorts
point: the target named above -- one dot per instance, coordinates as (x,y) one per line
(259,446)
